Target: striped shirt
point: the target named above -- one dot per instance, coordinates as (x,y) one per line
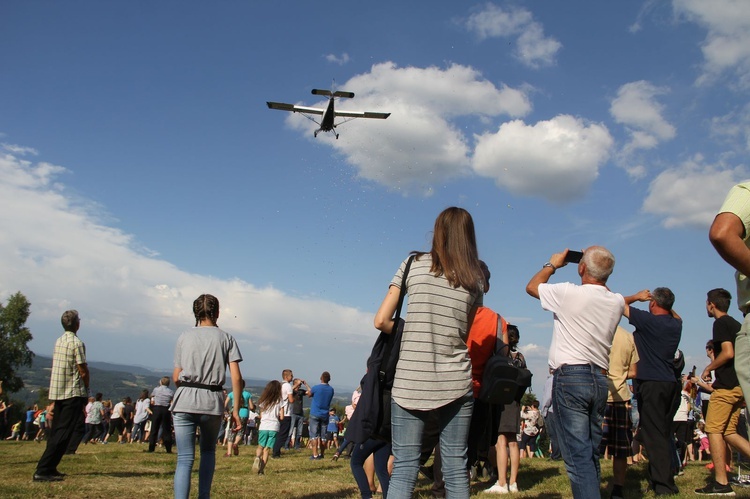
(738,203)
(65,381)
(433,368)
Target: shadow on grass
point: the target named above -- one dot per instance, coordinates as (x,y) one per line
(129,474)
(341,494)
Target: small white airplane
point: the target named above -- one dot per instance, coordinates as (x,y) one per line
(329,114)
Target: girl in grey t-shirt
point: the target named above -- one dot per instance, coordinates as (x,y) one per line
(201,358)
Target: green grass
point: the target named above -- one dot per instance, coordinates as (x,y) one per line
(125,471)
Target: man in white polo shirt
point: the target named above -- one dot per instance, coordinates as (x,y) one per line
(585,318)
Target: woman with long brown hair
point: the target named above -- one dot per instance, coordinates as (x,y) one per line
(433,374)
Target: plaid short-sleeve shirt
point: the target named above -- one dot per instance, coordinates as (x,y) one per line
(65,381)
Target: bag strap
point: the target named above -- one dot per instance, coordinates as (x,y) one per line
(396,319)
(402,293)
(499,343)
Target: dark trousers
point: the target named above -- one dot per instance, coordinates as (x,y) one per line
(381,451)
(282,438)
(68,421)
(657,402)
(161,419)
(92,432)
(549,426)
(479,435)
(79,430)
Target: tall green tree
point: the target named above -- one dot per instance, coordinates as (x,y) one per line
(14,339)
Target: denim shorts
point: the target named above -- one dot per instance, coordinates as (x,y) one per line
(318,427)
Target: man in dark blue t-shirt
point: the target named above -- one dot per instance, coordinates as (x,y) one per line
(322,395)
(657,390)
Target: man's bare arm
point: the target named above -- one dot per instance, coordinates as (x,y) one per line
(726,234)
(83,370)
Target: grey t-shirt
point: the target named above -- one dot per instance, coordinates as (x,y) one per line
(203,353)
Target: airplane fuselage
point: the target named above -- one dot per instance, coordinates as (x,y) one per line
(326,124)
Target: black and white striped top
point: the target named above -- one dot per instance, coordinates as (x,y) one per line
(433,368)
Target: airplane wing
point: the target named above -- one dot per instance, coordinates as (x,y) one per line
(362,114)
(281,106)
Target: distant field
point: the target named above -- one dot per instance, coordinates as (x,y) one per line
(125,471)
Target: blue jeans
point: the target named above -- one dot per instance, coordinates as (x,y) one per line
(296,427)
(381,451)
(184,429)
(579,398)
(407,427)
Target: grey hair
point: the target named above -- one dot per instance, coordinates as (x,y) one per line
(69,320)
(600,262)
(663,297)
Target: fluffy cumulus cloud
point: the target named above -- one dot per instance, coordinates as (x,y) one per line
(419,145)
(56,251)
(689,195)
(565,151)
(533,48)
(636,108)
(726,49)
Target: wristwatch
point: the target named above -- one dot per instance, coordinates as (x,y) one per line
(548,264)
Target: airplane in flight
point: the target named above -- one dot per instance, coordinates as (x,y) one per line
(329,114)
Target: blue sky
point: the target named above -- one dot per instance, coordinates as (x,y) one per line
(140,167)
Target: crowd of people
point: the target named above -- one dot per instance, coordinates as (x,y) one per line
(602,379)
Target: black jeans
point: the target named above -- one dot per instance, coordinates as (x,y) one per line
(68,420)
(657,402)
(161,418)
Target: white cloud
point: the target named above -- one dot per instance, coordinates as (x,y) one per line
(533,48)
(338,59)
(726,48)
(419,145)
(690,194)
(637,109)
(18,150)
(733,127)
(557,159)
(57,253)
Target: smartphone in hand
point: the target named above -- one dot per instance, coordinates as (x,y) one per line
(573,256)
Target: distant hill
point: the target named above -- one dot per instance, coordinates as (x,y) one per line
(117,381)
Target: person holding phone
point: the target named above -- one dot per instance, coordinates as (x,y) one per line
(585,318)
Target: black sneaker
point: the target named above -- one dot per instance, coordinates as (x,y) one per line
(715,489)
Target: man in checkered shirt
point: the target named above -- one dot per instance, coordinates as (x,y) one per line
(68,388)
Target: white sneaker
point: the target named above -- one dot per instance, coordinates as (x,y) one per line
(256,464)
(498,489)
(513,487)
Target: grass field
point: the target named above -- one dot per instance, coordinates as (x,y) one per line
(126,471)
